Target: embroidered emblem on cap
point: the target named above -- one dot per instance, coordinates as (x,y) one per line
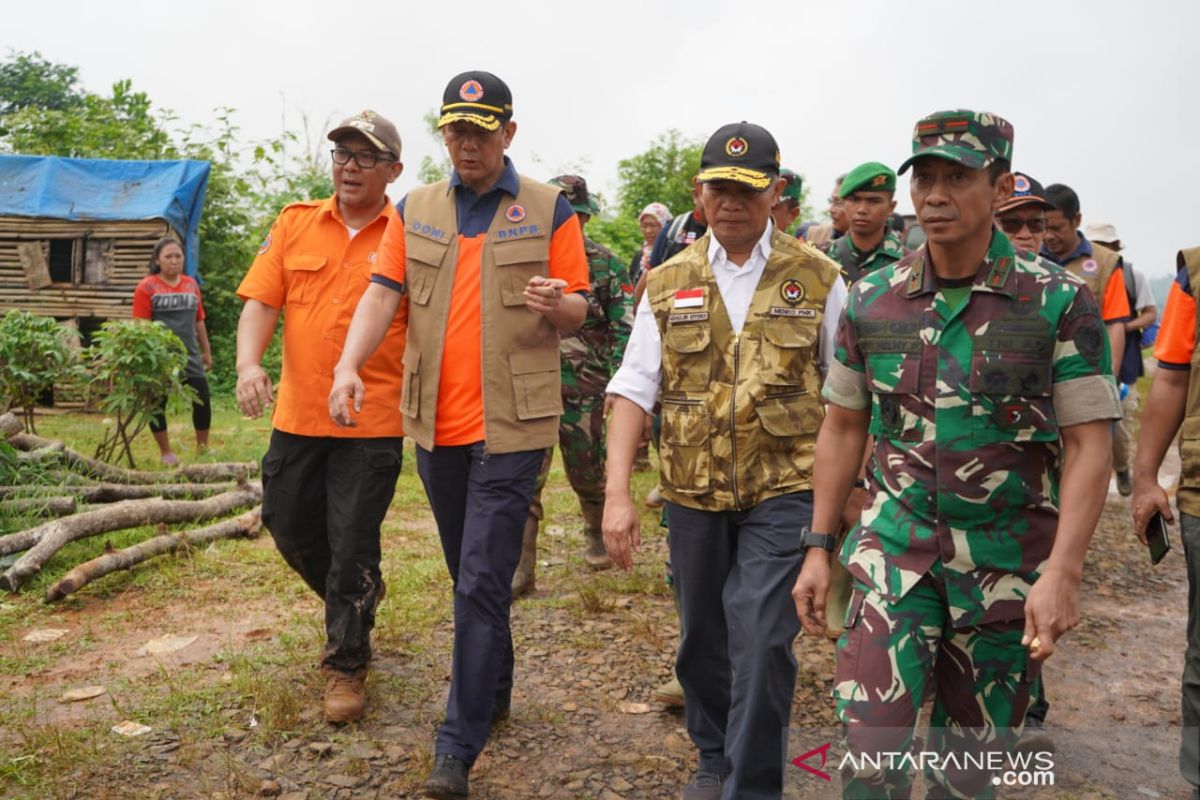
(1021,185)
(737,147)
(792,291)
(265,246)
(471,91)
(1090,267)
(515,213)
(879,180)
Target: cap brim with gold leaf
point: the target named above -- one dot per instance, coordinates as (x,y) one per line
(741,152)
(477,97)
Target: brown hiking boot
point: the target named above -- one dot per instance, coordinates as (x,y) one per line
(524,579)
(345,695)
(593,516)
(670,694)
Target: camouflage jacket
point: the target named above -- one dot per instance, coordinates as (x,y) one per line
(855,263)
(966,406)
(592,353)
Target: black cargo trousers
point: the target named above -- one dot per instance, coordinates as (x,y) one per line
(324,499)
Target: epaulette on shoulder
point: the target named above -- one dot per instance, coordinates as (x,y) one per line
(299,204)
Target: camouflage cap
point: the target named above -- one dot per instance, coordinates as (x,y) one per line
(972,138)
(576,191)
(379,131)
(793,187)
(869,177)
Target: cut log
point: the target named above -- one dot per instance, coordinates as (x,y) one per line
(10,424)
(196,473)
(57,506)
(47,539)
(245,525)
(112,492)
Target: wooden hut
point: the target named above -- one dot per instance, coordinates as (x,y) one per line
(76,234)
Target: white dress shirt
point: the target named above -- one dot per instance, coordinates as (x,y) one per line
(640,374)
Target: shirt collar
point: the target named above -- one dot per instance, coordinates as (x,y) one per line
(761,251)
(330,206)
(995,273)
(507,182)
(1082,250)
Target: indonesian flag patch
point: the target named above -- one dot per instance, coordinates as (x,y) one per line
(689,298)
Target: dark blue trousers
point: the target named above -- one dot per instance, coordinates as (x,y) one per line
(480,501)
(734,572)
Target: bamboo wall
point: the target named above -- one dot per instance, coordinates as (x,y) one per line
(128,257)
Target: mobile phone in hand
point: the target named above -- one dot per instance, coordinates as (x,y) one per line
(1156,537)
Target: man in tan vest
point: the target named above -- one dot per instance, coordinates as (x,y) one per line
(1099,267)
(1174,403)
(472,257)
(734,331)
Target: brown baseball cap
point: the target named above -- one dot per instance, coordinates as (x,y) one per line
(378,130)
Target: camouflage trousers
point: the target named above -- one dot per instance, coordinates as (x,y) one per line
(581,442)
(895,654)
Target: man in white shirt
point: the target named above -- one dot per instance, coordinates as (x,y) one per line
(735,331)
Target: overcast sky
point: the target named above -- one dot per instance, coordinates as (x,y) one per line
(1103,96)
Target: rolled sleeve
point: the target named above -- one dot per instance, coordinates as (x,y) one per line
(1086,399)
(640,374)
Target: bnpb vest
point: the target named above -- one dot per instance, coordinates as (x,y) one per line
(1189,434)
(1095,270)
(521,392)
(740,412)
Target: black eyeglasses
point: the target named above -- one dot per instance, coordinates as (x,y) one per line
(365,159)
(1012,225)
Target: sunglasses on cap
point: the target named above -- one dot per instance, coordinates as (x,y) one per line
(1013,225)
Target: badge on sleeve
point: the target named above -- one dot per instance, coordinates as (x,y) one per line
(515,213)
(265,246)
(689,298)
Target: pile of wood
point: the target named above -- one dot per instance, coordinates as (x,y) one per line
(90,498)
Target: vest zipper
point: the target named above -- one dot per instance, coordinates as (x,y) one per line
(737,343)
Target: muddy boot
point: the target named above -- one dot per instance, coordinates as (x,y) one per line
(345,695)
(523,579)
(593,516)
(670,694)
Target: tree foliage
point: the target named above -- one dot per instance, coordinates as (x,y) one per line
(661,174)
(28,79)
(35,353)
(136,365)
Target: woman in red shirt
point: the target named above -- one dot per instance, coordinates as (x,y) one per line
(168,296)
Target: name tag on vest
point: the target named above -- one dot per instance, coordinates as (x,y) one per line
(783,311)
(692,316)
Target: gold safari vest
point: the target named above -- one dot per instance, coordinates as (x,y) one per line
(1189,440)
(521,396)
(1095,270)
(740,412)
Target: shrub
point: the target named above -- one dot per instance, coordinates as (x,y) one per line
(35,353)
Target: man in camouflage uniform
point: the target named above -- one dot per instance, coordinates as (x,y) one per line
(734,331)
(590,356)
(867,194)
(979,370)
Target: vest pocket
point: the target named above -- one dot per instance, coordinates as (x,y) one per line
(519,261)
(410,392)
(301,270)
(536,388)
(688,364)
(685,451)
(1189,450)
(787,348)
(424,261)
(1010,398)
(790,424)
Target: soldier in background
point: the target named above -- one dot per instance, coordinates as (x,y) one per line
(590,356)
(785,212)
(734,331)
(868,200)
(1130,366)
(982,374)
(822,235)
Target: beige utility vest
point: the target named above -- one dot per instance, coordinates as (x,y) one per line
(1188,497)
(1095,270)
(740,412)
(522,398)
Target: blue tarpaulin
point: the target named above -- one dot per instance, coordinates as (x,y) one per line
(98,189)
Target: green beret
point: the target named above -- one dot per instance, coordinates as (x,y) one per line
(792,189)
(869,177)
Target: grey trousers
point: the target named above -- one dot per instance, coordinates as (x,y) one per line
(1189,749)
(734,572)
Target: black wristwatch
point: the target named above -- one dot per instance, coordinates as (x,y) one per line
(825,540)
(859,483)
